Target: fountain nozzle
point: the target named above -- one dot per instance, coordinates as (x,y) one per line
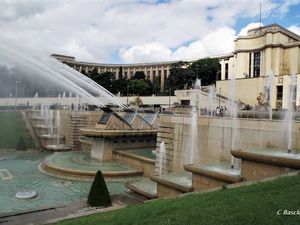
(232,166)
(289,151)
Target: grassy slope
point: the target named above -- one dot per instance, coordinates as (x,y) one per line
(12,127)
(255,204)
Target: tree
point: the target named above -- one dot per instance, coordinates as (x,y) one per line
(99,195)
(119,85)
(179,77)
(140,87)
(156,86)
(206,69)
(104,79)
(139,75)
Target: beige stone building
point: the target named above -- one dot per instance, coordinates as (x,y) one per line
(267,50)
(264,51)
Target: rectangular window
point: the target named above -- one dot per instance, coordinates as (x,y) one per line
(154,73)
(226,71)
(256,64)
(250,63)
(279,92)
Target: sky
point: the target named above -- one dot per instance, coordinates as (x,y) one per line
(132,31)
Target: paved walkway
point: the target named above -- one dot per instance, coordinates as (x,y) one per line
(76,209)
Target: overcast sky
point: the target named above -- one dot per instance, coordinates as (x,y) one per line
(124,31)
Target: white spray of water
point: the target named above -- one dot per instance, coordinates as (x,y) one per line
(289,113)
(194,135)
(211,98)
(269,88)
(162,156)
(58,127)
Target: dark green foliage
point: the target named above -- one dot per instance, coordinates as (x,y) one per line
(104,79)
(119,85)
(21,144)
(206,69)
(99,195)
(139,75)
(140,87)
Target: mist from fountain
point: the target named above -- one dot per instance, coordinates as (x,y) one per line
(290,109)
(269,89)
(51,122)
(211,98)
(51,71)
(57,127)
(194,136)
(162,156)
(233,114)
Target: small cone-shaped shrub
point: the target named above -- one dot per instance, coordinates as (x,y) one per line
(21,145)
(99,195)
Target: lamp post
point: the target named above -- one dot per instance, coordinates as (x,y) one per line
(127,93)
(16,95)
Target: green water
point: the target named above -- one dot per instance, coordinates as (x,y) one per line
(147,153)
(83,161)
(23,167)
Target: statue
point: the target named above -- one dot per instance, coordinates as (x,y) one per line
(137,102)
(263,102)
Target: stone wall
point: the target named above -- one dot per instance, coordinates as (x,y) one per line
(215,138)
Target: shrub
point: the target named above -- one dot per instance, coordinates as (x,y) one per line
(99,195)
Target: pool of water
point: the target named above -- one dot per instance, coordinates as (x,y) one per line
(147,153)
(19,172)
(181,178)
(82,161)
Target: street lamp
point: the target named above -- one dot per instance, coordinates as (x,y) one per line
(127,93)
(16,95)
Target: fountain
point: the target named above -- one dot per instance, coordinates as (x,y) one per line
(269,86)
(194,135)
(211,98)
(291,108)
(162,155)
(57,127)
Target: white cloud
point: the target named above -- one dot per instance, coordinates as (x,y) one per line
(250,26)
(283,9)
(98,30)
(294,29)
(214,43)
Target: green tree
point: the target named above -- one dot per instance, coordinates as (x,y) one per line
(156,86)
(104,79)
(206,69)
(140,87)
(139,75)
(99,195)
(119,85)
(180,77)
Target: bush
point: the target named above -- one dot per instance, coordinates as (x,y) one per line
(99,195)
(21,144)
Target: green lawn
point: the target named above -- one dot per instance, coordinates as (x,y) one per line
(255,204)
(12,127)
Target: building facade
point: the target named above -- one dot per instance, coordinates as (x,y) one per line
(269,51)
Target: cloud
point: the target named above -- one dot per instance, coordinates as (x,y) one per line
(100,30)
(295,29)
(250,26)
(214,43)
(284,8)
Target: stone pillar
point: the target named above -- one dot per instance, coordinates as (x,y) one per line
(151,73)
(101,149)
(162,79)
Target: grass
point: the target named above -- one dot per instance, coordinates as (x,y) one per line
(253,205)
(12,127)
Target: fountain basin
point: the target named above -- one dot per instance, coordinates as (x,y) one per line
(278,157)
(263,163)
(79,166)
(212,175)
(173,184)
(145,187)
(141,158)
(220,171)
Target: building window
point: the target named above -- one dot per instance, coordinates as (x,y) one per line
(154,73)
(250,64)
(226,71)
(256,64)
(219,73)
